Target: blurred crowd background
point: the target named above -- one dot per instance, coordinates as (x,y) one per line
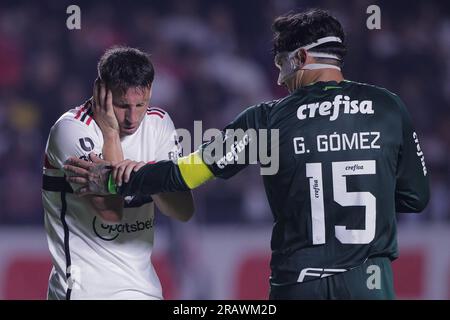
(212,59)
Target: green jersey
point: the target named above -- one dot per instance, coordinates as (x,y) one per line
(348,160)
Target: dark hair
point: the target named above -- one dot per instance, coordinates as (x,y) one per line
(124,67)
(295,30)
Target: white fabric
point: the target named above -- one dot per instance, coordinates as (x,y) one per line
(323,55)
(315,66)
(320,41)
(108,261)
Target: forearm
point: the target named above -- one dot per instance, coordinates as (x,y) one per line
(112,149)
(110,208)
(163,176)
(166,176)
(410,200)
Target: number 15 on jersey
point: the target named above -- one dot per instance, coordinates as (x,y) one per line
(340,171)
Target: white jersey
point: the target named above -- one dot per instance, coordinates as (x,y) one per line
(94,259)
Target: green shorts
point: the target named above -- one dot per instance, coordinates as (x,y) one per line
(371,280)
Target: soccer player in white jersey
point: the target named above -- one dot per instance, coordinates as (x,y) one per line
(101,246)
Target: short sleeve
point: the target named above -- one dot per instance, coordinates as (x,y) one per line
(71,139)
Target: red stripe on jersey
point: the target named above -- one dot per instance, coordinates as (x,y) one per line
(88,122)
(156,114)
(156,109)
(80,111)
(87,115)
(151,162)
(47,164)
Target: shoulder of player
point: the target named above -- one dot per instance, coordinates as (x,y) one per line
(156,113)
(255,115)
(261,109)
(373,89)
(81,116)
(75,120)
(83,113)
(157,117)
(157,121)
(67,132)
(380,93)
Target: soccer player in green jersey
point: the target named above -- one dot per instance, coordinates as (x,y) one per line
(349,159)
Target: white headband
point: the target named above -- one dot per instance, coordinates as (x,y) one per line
(320,41)
(285,73)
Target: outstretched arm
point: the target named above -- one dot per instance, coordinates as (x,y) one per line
(97,178)
(222,157)
(133,178)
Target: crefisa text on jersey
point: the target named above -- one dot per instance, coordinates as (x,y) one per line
(333,109)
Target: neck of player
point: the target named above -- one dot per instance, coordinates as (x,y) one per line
(307,77)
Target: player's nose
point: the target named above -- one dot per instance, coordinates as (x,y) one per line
(132,115)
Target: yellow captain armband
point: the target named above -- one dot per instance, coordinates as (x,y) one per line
(193,170)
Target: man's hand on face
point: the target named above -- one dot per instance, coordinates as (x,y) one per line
(103,108)
(91,175)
